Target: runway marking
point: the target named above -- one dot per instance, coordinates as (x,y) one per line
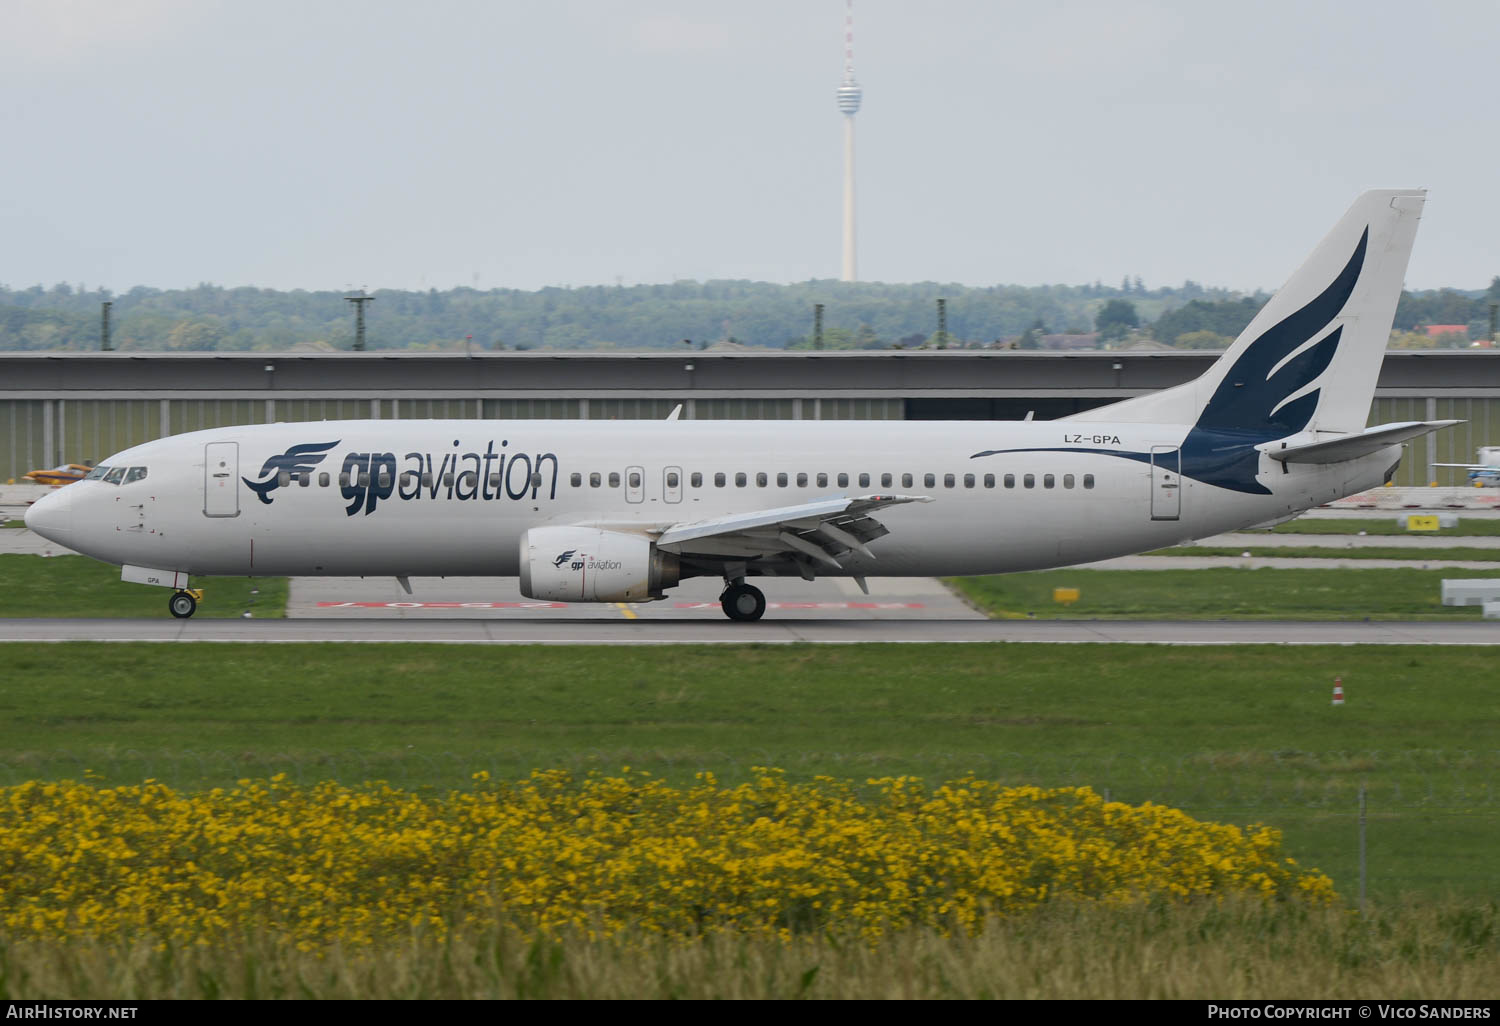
(624,608)
(813,605)
(442,605)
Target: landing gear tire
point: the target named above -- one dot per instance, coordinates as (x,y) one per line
(743,602)
(182,605)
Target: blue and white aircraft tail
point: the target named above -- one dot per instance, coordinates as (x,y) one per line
(622,511)
(1302,374)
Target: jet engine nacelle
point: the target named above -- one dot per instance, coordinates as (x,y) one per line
(586,564)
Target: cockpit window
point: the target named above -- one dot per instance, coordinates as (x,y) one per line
(135,474)
(96,473)
(114,476)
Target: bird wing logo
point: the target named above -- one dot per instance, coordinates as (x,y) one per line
(299,459)
(563,558)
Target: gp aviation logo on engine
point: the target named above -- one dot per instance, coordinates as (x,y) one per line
(584,561)
(299,459)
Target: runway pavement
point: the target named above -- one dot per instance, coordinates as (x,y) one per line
(532,630)
(345,598)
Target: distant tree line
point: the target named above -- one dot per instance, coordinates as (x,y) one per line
(647,317)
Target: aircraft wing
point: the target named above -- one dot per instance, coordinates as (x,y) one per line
(821,530)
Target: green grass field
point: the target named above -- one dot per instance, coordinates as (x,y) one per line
(1423,555)
(1387,525)
(1238,734)
(1237,950)
(1227,593)
(34,586)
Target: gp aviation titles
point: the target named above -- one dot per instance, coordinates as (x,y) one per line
(1365,1011)
(367,477)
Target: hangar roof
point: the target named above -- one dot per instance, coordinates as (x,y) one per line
(768,373)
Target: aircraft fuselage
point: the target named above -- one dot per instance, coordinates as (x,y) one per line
(452,498)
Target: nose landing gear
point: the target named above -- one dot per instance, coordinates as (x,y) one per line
(743,602)
(184,604)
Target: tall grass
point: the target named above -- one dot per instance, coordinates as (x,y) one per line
(1236,949)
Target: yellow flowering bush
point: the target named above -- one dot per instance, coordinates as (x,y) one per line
(354,864)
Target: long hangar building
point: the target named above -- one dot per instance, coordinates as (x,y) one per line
(72,407)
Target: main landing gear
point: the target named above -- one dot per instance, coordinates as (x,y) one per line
(742,601)
(183,604)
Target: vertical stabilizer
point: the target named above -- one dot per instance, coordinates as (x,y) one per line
(1309,359)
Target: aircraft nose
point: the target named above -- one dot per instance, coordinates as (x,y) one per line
(51,516)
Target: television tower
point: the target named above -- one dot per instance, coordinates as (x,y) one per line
(849,95)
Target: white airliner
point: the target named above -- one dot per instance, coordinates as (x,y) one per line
(622,511)
(1486,473)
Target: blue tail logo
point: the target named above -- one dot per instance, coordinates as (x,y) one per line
(299,459)
(1253,403)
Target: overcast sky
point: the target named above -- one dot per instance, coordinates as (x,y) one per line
(500,143)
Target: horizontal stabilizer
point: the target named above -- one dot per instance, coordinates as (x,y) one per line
(1352,447)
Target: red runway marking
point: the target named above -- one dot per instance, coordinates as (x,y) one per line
(442,605)
(564,605)
(814,605)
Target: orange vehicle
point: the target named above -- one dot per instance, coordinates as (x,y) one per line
(59,476)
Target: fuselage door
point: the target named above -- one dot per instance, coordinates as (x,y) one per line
(221,479)
(671,484)
(1166,482)
(635,484)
